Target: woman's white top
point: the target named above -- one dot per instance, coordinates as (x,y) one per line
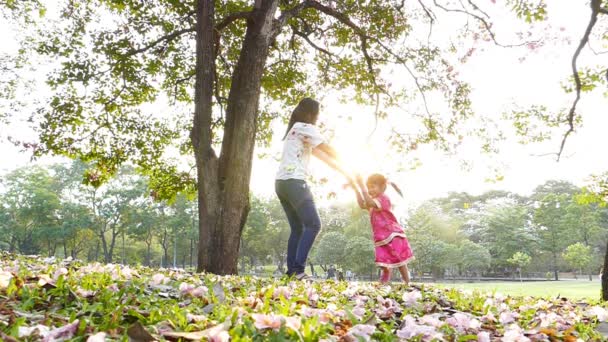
(297,148)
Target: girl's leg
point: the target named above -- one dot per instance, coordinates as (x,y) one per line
(385,276)
(405,274)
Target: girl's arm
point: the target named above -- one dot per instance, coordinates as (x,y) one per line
(360,199)
(367,199)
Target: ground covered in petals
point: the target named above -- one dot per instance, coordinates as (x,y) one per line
(56,300)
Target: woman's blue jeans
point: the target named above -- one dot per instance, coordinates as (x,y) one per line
(299,206)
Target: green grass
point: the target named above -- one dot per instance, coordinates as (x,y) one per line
(571,289)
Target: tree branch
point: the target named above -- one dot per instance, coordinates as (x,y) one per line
(230,19)
(484,22)
(431,17)
(364,37)
(285,16)
(310,42)
(595,10)
(167,38)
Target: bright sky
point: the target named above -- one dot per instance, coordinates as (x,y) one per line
(498,78)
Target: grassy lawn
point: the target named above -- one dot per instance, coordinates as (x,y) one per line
(572,289)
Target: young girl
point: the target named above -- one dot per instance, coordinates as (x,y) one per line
(392,248)
(301,139)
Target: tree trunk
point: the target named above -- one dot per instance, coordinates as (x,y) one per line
(605,275)
(555,270)
(224,181)
(104,245)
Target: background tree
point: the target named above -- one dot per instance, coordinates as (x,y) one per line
(520,260)
(578,256)
(330,250)
(473,257)
(551,229)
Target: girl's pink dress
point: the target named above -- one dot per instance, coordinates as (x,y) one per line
(392,248)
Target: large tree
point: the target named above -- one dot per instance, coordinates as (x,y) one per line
(239,57)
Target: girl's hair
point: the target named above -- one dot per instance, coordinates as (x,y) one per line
(307,111)
(380,180)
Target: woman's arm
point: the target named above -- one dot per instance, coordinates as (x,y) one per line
(331,162)
(330,151)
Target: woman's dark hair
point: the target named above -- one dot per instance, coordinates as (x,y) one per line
(306,111)
(380,180)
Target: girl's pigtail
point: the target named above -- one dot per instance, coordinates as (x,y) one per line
(396,189)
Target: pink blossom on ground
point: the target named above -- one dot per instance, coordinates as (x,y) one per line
(507,317)
(432,320)
(159,279)
(113,287)
(262,321)
(282,291)
(5,278)
(358,312)
(199,291)
(222,336)
(64,333)
(99,337)
(552,319)
(600,313)
(195,318)
(514,333)
(84,293)
(313,296)
(411,298)
(489,317)
(60,271)
(43,330)
(483,336)
(411,329)
(293,323)
(361,331)
(463,322)
(185,288)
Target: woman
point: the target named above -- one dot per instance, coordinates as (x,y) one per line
(302,138)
